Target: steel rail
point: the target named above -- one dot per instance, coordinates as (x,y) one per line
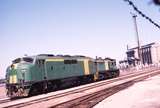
(104,93)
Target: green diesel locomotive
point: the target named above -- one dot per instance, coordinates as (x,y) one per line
(45,72)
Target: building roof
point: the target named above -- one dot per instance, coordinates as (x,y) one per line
(143,46)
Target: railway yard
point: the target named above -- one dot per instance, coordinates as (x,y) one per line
(85,96)
(58,54)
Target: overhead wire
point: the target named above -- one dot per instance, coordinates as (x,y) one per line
(142,14)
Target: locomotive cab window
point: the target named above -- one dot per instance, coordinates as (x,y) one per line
(24,59)
(27,59)
(17,60)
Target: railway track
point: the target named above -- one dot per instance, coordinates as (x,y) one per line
(86,95)
(4,100)
(90,100)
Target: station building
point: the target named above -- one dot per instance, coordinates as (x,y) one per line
(149,54)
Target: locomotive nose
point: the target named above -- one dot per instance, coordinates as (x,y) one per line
(17,73)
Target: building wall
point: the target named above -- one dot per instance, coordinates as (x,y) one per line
(150,53)
(156,53)
(136,53)
(146,55)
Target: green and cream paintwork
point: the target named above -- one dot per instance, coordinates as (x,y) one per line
(57,69)
(19,72)
(52,68)
(13,74)
(24,74)
(55,60)
(106,65)
(86,67)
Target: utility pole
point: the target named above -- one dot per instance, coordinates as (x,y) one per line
(137,36)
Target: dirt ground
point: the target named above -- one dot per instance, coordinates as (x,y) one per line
(144,94)
(2,92)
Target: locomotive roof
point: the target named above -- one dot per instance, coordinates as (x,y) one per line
(47,56)
(106,59)
(51,56)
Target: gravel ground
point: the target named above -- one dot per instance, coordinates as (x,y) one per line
(2,92)
(144,94)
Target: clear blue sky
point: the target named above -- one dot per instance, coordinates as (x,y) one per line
(87,27)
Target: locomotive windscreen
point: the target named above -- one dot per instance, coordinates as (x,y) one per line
(26,59)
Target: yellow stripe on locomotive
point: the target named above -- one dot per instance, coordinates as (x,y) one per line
(13,79)
(86,67)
